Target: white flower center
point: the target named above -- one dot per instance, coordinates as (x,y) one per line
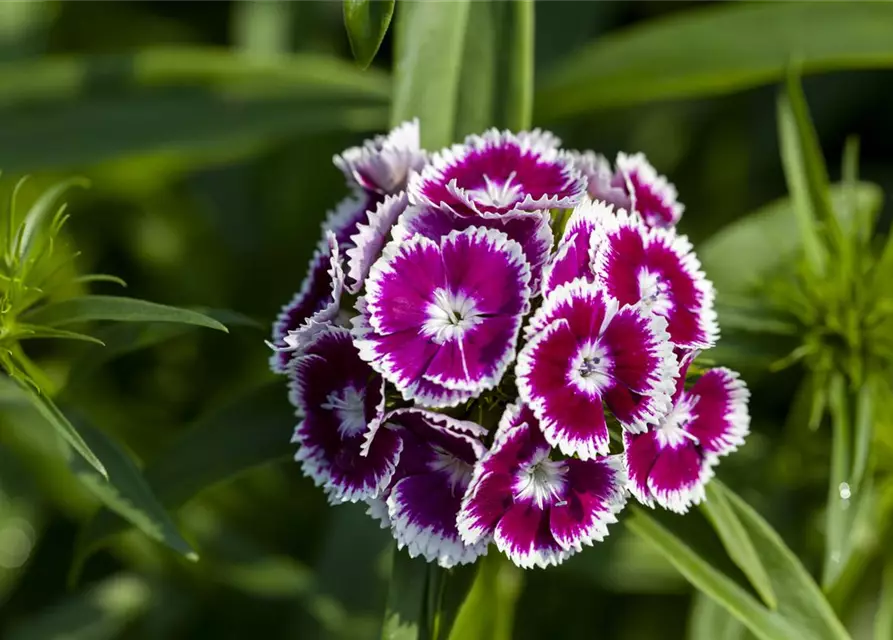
(541,481)
(591,369)
(350,408)
(450,315)
(673,429)
(655,292)
(457,470)
(497,194)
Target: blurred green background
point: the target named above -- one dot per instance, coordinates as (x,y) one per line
(206,129)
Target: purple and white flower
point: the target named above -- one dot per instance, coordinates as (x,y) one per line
(340,399)
(315,305)
(440,320)
(650,194)
(654,266)
(370,238)
(573,257)
(422,503)
(383,165)
(671,463)
(531,231)
(602,182)
(498,172)
(538,509)
(585,352)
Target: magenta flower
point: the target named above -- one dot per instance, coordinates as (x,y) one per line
(440,320)
(585,352)
(498,172)
(602,183)
(315,305)
(538,510)
(370,238)
(656,267)
(341,399)
(672,462)
(573,257)
(423,500)
(530,230)
(383,165)
(650,194)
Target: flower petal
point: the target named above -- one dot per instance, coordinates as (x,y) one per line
(524,535)
(383,164)
(498,172)
(370,238)
(721,419)
(658,268)
(651,194)
(600,183)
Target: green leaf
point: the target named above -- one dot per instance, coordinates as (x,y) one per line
(716,50)
(126,491)
(428,46)
(102,612)
(405,613)
(26,331)
(488,610)
(838,515)
(48,409)
(91,308)
(41,214)
(737,543)
(252,431)
(802,610)
(795,172)
(176,99)
(863,431)
(367,23)
(497,68)
(883,619)
(756,246)
(709,621)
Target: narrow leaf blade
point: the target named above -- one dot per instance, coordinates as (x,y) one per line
(405,614)
(91,308)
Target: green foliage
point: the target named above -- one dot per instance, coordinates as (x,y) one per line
(716,50)
(367,23)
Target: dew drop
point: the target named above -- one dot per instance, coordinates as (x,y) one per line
(844,491)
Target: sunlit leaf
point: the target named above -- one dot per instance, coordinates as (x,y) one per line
(712,51)
(710,621)
(405,614)
(802,610)
(497,68)
(26,331)
(838,515)
(737,543)
(102,612)
(40,215)
(91,308)
(367,23)
(488,610)
(126,492)
(428,46)
(48,409)
(252,431)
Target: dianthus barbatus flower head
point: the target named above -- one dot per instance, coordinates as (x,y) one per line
(316,304)
(657,268)
(539,509)
(423,500)
(586,352)
(573,257)
(671,463)
(440,320)
(340,399)
(650,194)
(531,231)
(497,172)
(383,165)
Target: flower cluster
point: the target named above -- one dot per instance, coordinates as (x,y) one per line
(492,344)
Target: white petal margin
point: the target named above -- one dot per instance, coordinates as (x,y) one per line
(597,528)
(738,415)
(679,245)
(540,142)
(597,170)
(588,216)
(638,164)
(386,161)
(371,238)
